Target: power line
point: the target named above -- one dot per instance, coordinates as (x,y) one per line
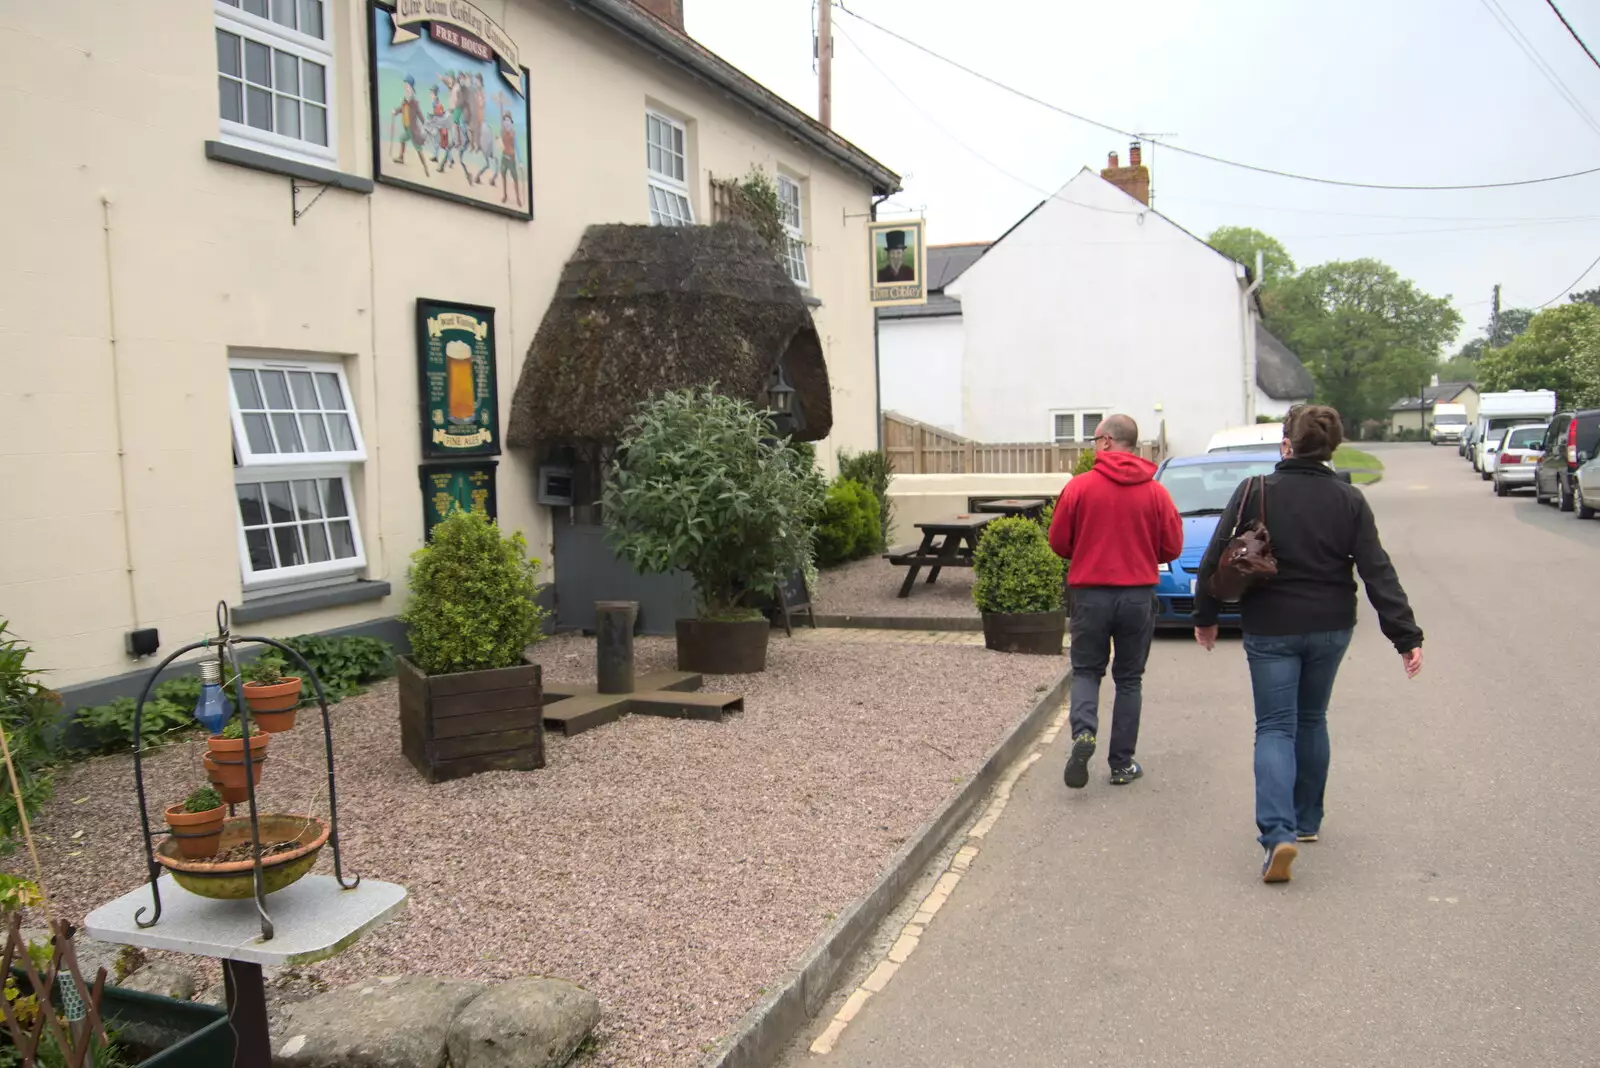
(1572,31)
(1565,290)
(1522,41)
(1385,215)
(1205,155)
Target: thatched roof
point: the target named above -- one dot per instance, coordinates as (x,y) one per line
(1279,372)
(641,310)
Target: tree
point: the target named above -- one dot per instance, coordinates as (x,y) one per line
(1505,330)
(1588,296)
(1241,243)
(1560,350)
(1366,334)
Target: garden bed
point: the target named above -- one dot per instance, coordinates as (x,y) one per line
(675,868)
(871,587)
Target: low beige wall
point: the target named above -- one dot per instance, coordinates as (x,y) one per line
(919,498)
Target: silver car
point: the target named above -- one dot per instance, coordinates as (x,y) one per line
(1517,459)
(1586,489)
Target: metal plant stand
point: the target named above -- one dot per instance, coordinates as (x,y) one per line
(319,915)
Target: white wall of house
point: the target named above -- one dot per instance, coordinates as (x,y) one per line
(920,365)
(201,262)
(1102,305)
(1272,406)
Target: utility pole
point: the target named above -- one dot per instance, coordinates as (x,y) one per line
(1494,316)
(1152,165)
(824,48)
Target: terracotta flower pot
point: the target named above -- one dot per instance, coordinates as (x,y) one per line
(197,833)
(226,755)
(233,795)
(273,707)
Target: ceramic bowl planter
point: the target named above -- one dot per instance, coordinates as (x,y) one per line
(196,833)
(723,647)
(289,844)
(225,760)
(273,706)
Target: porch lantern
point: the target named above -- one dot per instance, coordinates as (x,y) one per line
(780,401)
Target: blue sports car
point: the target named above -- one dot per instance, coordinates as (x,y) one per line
(1200,487)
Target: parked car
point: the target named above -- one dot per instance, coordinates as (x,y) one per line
(1569,443)
(1518,458)
(1497,412)
(1200,487)
(1253,438)
(1483,452)
(1586,489)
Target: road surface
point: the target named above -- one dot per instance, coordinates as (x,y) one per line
(1450,917)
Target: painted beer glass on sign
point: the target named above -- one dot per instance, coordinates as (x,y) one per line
(460,398)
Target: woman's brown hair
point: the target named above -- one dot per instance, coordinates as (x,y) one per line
(1314,431)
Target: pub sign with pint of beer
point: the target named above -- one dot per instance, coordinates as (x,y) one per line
(460,402)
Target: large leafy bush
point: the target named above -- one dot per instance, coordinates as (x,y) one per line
(871,469)
(1014,569)
(472,602)
(848,529)
(699,486)
(28,715)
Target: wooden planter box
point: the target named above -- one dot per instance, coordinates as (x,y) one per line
(457,725)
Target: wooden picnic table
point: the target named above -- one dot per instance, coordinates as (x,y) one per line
(957,540)
(1032,507)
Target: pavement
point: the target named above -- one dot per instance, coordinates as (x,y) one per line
(1449,917)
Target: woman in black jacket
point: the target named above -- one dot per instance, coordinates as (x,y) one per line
(1297,624)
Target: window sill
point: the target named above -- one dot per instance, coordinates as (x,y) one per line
(223,152)
(276,606)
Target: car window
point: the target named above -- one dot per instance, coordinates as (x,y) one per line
(1199,488)
(1527,437)
(1589,432)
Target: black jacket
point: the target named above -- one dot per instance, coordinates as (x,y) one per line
(1320,526)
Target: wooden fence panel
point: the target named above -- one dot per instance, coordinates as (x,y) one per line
(915,448)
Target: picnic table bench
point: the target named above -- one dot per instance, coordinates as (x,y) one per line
(945,543)
(1031,507)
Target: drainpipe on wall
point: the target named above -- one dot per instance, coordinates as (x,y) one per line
(116,418)
(1248,337)
(877,372)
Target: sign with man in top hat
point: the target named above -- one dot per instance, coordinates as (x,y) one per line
(899,263)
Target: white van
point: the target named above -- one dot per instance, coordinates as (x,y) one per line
(1449,423)
(1499,412)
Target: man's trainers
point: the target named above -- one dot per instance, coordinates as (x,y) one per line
(1306,836)
(1123,776)
(1279,859)
(1077,773)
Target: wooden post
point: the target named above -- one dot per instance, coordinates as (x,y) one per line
(825,63)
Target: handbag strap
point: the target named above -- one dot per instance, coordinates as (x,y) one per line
(1261,481)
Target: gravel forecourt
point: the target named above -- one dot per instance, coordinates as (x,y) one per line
(674,868)
(871,587)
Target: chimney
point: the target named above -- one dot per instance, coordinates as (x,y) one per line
(1134,179)
(668,11)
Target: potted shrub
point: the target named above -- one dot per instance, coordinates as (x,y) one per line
(469,699)
(196,823)
(225,759)
(701,486)
(1017,587)
(274,699)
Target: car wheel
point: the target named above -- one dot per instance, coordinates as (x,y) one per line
(1584,509)
(1485,475)
(1501,489)
(1564,492)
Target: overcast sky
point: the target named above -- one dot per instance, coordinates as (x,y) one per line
(1419,92)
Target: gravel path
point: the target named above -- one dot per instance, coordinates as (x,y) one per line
(871,587)
(675,868)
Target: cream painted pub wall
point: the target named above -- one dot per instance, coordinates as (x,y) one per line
(119,226)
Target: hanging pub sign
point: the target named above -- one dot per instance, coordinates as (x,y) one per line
(448,487)
(898,260)
(450,112)
(460,400)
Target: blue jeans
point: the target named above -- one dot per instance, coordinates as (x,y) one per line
(1292,678)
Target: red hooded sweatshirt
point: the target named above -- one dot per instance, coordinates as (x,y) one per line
(1116,524)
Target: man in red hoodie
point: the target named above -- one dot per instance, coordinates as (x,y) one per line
(1116,525)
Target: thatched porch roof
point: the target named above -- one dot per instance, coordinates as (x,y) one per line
(641,310)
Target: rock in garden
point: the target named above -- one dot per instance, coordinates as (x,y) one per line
(524,1023)
(381,1023)
(163,978)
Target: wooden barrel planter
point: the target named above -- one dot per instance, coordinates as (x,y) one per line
(457,725)
(1037,633)
(723,647)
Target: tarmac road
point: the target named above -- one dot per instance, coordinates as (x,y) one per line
(1449,917)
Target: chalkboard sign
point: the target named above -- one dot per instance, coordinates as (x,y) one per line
(794,597)
(447,487)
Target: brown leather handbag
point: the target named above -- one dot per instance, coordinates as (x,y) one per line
(1247,560)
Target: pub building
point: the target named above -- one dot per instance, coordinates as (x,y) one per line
(288,280)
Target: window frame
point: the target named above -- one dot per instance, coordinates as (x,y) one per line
(1076,414)
(298,576)
(241,23)
(667,185)
(249,459)
(795,232)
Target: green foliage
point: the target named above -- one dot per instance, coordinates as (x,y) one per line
(472,602)
(1588,296)
(1560,350)
(1508,326)
(872,470)
(1241,243)
(849,528)
(28,715)
(234,729)
(1085,461)
(266,670)
(344,664)
(1366,334)
(17,893)
(758,205)
(697,487)
(1014,569)
(202,800)
(1047,517)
